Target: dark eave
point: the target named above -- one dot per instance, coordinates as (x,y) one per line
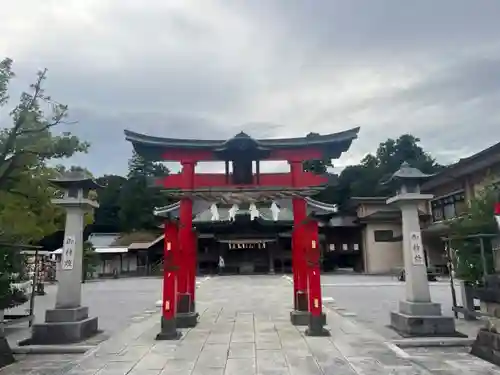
(333,144)
(387,216)
(479,161)
(143,139)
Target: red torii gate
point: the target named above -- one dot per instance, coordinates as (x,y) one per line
(240,185)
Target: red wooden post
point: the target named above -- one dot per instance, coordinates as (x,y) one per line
(186,317)
(192,274)
(300,314)
(170,268)
(317,319)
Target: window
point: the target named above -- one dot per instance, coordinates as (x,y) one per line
(383,236)
(73,192)
(448,207)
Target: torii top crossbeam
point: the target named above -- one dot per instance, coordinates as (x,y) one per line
(313,146)
(242,152)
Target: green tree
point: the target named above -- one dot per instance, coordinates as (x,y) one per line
(109,201)
(26,144)
(138,198)
(28,141)
(478,219)
(364,179)
(90,260)
(317,166)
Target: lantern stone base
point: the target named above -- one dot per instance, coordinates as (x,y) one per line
(316,326)
(64,326)
(168,330)
(487,346)
(423,325)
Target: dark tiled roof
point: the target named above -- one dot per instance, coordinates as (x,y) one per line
(137,138)
(481,160)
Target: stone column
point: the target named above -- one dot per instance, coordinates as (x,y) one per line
(69,321)
(417,286)
(271,258)
(69,290)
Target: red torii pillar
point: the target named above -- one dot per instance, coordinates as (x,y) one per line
(186,315)
(305,264)
(170,269)
(300,314)
(317,319)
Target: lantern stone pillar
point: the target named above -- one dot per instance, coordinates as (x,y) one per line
(69,321)
(417,315)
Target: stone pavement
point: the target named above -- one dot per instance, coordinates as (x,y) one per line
(244,329)
(370,299)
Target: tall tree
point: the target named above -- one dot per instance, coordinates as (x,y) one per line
(26,144)
(365,179)
(138,199)
(28,141)
(109,201)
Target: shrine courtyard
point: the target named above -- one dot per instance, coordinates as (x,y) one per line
(244,328)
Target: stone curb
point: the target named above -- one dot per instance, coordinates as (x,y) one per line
(52,349)
(433,342)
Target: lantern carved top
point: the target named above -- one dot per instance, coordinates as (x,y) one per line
(75,184)
(408,179)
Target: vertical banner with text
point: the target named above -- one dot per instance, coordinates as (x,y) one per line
(68,254)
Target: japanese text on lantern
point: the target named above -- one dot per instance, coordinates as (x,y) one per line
(417,249)
(68,254)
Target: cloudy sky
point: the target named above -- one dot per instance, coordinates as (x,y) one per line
(273,68)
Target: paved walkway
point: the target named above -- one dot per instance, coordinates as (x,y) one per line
(244,329)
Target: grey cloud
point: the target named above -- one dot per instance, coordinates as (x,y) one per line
(275,68)
(359,27)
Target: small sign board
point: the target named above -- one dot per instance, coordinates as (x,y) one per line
(417,249)
(68,254)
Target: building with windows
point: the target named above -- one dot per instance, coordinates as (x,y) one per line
(453,190)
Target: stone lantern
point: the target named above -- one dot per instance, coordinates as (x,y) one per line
(69,321)
(417,315)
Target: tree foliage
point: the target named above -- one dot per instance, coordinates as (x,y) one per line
(364,179)
(27,143)
(138,199)
(465,231)
(90,260)
(107,215)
